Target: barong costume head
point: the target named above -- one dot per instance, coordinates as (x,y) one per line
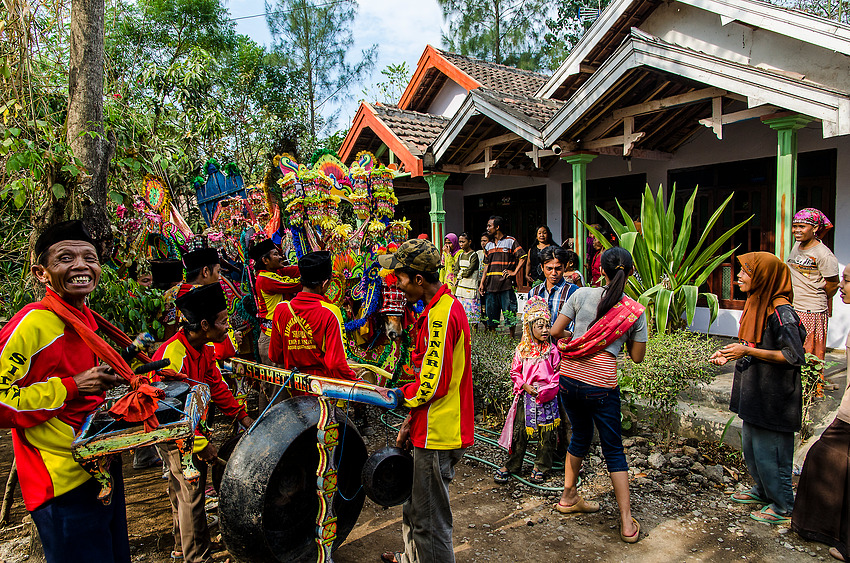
(770,288)
(197,259)
(415,254)
(814,217)
(315,268)
(166,271)
(67,230)
(204,302)
(261,249)
(536,308)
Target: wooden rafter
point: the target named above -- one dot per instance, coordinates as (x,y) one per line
(718,120)
(491,142)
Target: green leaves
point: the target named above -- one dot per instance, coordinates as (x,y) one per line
(669,270)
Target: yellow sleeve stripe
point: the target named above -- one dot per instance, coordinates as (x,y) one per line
(275,277)
(432,363)
(338,315)
(176,353)
(36,331)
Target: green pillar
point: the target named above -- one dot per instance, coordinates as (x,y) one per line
(786,127)
(436,187)
(579,162)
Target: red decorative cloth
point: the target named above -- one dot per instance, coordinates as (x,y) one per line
(603,332)
(137,406)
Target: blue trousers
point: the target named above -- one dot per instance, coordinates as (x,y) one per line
(588,406)
(78,528)
(769,456)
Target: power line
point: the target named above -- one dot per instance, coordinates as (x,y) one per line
(265,14)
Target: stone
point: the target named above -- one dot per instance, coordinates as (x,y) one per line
(714,473)
(628,442)
(656,460)
(678,471)
(698,468)
(690,451)
(681,462)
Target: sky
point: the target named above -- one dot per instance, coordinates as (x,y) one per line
(400,28)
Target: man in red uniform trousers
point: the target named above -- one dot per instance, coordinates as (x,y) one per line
(191,352)
(50,380)
(307,331)
(441,424)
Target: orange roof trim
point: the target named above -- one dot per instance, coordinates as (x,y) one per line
(366,118)
(432,58)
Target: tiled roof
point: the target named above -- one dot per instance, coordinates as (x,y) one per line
(527,109)
(496,76)
(416,130)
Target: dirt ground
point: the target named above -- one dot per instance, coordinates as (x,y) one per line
(682,517)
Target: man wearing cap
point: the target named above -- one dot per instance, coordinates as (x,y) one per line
(203,267)
(441,420)
(191,353)
(307,331)
(50,381)
(167,276)
(275,283)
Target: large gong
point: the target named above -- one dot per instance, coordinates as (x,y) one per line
(268,502)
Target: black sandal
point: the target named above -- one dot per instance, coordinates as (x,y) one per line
(537,476)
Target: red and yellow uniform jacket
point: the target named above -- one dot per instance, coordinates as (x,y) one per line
(440,400)
(274,287)
(200,366)
(223,350)
(312,339)
(39,356)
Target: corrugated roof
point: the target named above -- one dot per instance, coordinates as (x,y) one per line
(415,129)
(496,76)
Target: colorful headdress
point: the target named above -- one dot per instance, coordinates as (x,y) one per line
(535,308)
(814,217)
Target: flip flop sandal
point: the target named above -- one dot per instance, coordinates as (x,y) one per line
(769,517)
(634,537)
(500,476)
(390,557)
(752,498)
(582,506)
(537,477)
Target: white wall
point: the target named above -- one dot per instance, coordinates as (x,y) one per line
(448,99)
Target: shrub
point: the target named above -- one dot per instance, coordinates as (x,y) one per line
(127,305)
(492,353)
(674,362)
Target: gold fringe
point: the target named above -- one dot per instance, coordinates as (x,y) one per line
(543,427)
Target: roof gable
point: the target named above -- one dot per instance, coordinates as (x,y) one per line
(436,66)
(616,21)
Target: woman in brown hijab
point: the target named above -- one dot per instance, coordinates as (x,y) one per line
(766,389)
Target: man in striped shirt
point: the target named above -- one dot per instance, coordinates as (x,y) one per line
(504,258)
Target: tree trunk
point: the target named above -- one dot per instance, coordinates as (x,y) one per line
(85,133)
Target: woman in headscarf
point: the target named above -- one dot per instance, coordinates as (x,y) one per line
(767,392)
(451,250)
(823,493)
(814,274)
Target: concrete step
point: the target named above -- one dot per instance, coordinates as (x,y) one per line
(705,422)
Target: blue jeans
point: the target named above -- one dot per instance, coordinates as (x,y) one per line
(770,456)
(586,406)
(78,528)
(495,302)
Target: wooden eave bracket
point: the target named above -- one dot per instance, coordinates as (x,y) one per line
(627,139)
(718,120)
(488,143)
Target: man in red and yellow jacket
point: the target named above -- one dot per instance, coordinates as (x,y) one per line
(307,331)
(441,422)
(275,283)
(50,381)
(191,353)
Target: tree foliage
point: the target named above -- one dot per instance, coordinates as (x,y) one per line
(389,91)
(501,31)
(564,30)
(313,39)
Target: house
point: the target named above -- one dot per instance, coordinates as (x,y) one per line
(729,95)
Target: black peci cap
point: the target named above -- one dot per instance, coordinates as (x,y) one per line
(204,302)
(197,259)
(67,230)
(261,249)
(166,271)
(315,267)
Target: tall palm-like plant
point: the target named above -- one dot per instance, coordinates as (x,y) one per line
(669,274)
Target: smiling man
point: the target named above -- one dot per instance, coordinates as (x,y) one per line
(440,425)
(50,380)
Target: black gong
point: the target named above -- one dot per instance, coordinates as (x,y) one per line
(268,501)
